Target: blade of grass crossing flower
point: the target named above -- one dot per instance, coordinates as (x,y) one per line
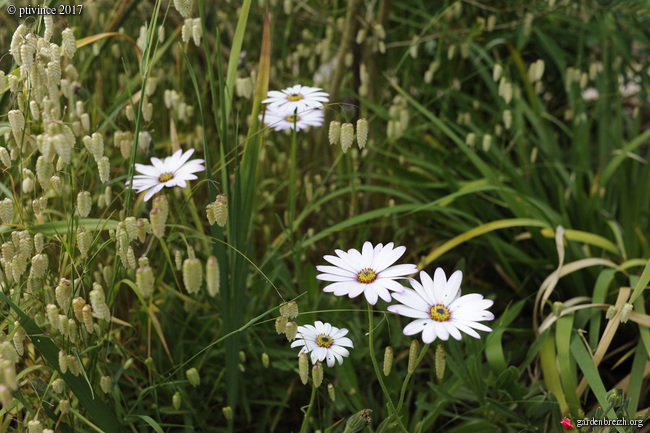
(493,344)
(100,413)
(568,379)
(548,361)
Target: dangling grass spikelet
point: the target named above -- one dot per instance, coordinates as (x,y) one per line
(317,374)
(290,330)
(334,133)
(19,338)
(362,132)
(440,361)
(193,377)
(84,239)
(280,324)
(303,368)
(144,280)
(413,356)
(330,391)
(62,294)
(176,400)
(265,360)
(289,310)
(347,136)
(192,274)
(212,276)
(6,211)
(105,383)
(388,360)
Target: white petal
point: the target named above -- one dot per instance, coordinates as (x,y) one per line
(331,277)
(336,288)
(399,271)
(429,333)
(352,256)
(452,290)
(439,284)
(357,289)
(423,291)
(153,191)
(371,296)
(405,311)
(453,330)
(388,256)
(344,341)
(382,292)
(390,284)
(367,255)
(340,263)
(411,299)
(416,326)
(340,350)
(336,271)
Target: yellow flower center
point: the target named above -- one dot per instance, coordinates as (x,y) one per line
(294,97)
(293,118)
(439,313)
(165,177)
(366,276)
(324,340)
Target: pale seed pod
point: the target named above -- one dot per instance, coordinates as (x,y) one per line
(62,294)
(58,385)
(507,119)
(8,372)
(34,426)
(192,275)
(18,266)
(105,383)
(317,374)
(303,368)
(104,169)
(212,276)
(5,157)
(64,407)
(176,400)
(388,360)
(184,7)
(147,114)
(63,362)
(362,132)
(19,338)
(290,330)
(347,136)
(84,203)
(334,133)
(331,392)
(440,361)
(227,412)
(178,259)
(78,305)
(16,121)
(98,302)
(44,171)
(6,398)
(84,240)
(33,108)
(69,45)
(7,211)
(265,360)
(28,185)
(626,311)
(193,377)
(39,265)
(85,122)
(72,330)
(64,325)
(186,30)
(8,352)
(413,356)
(144,280)
(53,316)
(280,324)
(130,258)
(289,310)
(197,31)
(87,313)
(38,242)
(220,210)
(244,87)
(57,184)
(73,365)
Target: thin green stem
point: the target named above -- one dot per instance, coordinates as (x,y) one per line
(408,377)
(305,422)
(378,373)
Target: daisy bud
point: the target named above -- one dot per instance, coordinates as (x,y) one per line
(84,239)
(290,330)
(4,157)
(227,412)
(330,392)
(69,45)
(347,136)
(265,360)
(62,294)
(413,356)
(625,312)
(73,365)
(63,362)
(317,374)
(7,211)
(64,407)
(176,400)
(53,316)
(280,324)
(84,203)
(105,383)
(289,310)
(34,426)
(358,421)
(144,279)
(19,338)
(440,361)
(192,275)
(615,397)
(388,360)
(611,312)
(193,377)
(178,259)
(303,368)
(362,132)
(58,385)
(212,276)
(334,132)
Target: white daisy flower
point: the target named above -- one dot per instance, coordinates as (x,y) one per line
(368,272)
(173,171)
(440,310)
(296,97)
(280,119)
(323,341)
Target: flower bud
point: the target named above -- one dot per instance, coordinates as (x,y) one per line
(413,356)
(358,421)
(193,377)
(388,360)
(303,368)
(615,397)
(227,412)
(317,374)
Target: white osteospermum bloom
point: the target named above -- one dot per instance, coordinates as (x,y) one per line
(173,171)
(368,272)
(296,97)
(440,310)
(280,119)
(323,341)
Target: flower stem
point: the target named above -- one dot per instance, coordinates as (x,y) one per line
(305,422)
(391,406)
(408,377)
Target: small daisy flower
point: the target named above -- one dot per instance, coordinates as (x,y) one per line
(296,97)
(440,310)
(173,171)
(280,119)
(323,341)
(368,272)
